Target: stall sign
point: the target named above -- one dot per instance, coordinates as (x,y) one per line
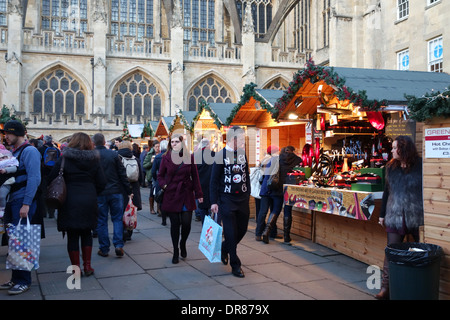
(437,143)
(351,204)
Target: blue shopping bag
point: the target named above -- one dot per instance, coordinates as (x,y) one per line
(24,246)
(211,240)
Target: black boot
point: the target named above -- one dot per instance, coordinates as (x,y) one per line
(287,223)
(272,223)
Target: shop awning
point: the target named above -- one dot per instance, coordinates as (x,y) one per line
(341,88)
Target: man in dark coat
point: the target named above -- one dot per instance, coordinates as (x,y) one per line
(230,193)
(111,199)
(204,158)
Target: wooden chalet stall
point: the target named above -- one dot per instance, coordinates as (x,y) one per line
(162,129)
(434,111)
(209,123)
(182,124)
(346,105)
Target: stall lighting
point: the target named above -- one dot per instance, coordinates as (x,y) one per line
(292,116)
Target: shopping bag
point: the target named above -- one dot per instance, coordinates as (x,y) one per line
(211,240)
(130,216)
(24,246)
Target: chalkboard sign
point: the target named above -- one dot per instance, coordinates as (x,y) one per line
(396,126)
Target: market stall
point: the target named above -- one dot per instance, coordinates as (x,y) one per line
(162,130)
(209,123)
(352,115)
(434,110)
(182,124)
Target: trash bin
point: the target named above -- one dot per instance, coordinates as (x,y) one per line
(414,271)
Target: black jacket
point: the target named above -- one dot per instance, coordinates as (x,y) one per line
(116,176)
(84,181)
(136,186)
(204,172)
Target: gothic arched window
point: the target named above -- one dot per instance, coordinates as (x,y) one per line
(261,13)
(137,95)
(132,18)
(210,90)
(59,93)
(62,15)
(277,84)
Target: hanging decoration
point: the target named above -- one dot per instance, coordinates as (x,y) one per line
(430,105)
(376,119)
(315,73)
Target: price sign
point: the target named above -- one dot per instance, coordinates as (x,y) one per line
(437,143)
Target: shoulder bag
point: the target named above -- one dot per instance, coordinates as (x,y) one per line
(56,190)
(160,194)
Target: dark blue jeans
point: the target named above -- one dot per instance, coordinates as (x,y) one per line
(113,204)
(266,201)
(20,276)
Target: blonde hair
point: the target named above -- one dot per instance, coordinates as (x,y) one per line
(125,144)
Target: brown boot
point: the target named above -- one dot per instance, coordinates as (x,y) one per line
(383,294)
(272,223)
(86,253)
(152,205)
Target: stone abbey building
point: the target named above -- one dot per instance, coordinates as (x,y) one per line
(90,65)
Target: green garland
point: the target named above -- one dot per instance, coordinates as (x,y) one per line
(315,73)
(188,126)
(430,105)
(204,105)
(249,92)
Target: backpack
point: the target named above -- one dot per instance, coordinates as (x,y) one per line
(132,168)
(51,154)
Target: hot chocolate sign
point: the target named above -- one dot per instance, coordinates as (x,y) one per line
(437,143)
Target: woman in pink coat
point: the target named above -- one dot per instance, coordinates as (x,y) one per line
(178,176)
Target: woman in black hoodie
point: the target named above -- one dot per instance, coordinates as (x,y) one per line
(288,160)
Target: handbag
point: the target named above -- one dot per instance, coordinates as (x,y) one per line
(210,243)
(56,191)
(159,196)
(24,246)
(130,216)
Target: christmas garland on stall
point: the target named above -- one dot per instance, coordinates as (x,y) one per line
(187,126)
(249,92)
(430,105)
(204,105)
(315,73)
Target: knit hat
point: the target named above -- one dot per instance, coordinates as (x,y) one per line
(272,149)
(15,127)
(5,152)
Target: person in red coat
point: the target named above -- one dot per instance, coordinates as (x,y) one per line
(178,176)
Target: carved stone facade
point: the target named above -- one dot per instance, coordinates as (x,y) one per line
(90,65)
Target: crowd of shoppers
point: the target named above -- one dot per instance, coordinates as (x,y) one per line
(101,178)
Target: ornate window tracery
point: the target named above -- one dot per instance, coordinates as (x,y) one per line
(208,89)
(59,93)
(137,95)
